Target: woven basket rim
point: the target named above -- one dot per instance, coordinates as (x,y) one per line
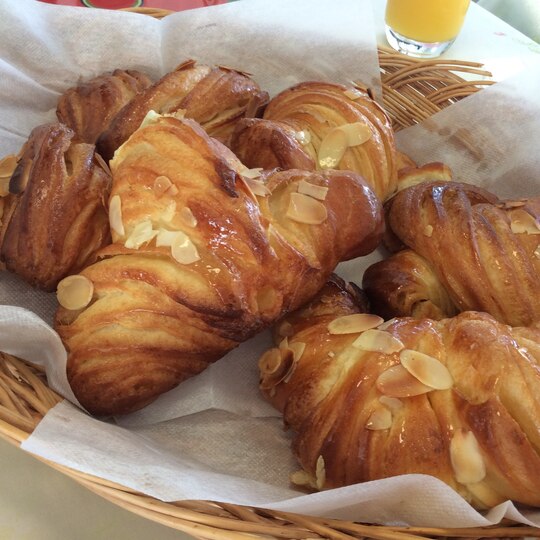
(31,398)
(413,90)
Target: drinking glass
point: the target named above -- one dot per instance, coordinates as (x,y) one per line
(424,28)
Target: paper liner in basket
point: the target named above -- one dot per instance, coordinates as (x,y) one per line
(211,438)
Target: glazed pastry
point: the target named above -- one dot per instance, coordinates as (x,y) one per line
(205,254)
(404,161)
(89,107)
(323,126)
(54,217)
(456,399)
(410,175)
(482,251)
(405,285)
(215,97)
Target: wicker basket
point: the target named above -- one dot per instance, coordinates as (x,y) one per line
(412,91)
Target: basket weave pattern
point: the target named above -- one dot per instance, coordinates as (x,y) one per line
(412,91)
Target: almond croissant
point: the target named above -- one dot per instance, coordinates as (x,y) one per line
(316,125)
(89,107)
(199,263)
(215,97)
(54,219)
(484,253)
(457,399)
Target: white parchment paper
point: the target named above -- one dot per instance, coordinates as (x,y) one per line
(214,437)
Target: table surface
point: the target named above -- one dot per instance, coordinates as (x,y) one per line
(37,502)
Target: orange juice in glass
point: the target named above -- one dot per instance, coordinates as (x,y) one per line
(424,28)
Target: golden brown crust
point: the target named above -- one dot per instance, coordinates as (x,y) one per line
(215,97)
(479,434)
(410,176)
(471,242)
(55,218)
(89,107)
(405,285)
(155,320)
(430,172)
(268,144)
(314,109)
(404,161)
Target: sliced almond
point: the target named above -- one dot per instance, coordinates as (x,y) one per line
(298,348)
(302,478)
(75,292)
(186,215)
(523,222)
(303,136)
(466,458)
(179,113)
(257,187)
(428,231)
(537,252)
(162,184)
(284,343)
(391,403)
(427,369)
(4,186)
(151,118)
(386,324)
(378,341)
(251,173)
(312,190)
(165,238)
(184,250)
(7,168)
(141,234)
(331,354)
(103,164)
(276,366)
(332,149)
(115,215)
(357,133)
(270,361)
(320,473)
(354,324)
(304,209)
(399,383)
(169,213)
(380,418)
(7,165)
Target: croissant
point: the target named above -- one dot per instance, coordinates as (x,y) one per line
(316,125)
(215,97)
(482,251)
(457,399)
(89,107)
(54,217)
(204,255)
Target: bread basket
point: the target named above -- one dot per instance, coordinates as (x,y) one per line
(412,91)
